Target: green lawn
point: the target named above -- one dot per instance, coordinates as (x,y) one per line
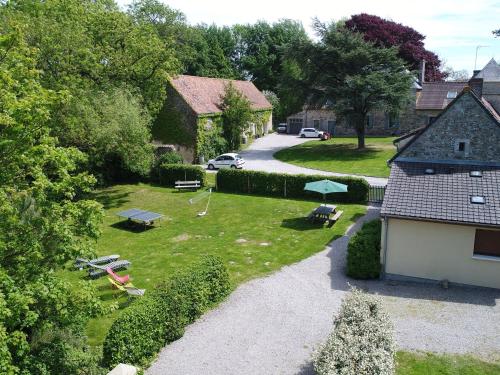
(432,364)
(341,155)
(253,235)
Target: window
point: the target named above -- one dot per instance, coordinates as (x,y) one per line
(477,199)
(316,124)
(369,122)
(487,242)
(451,94)
(429,171)
(462,147)
(476,174)
(391,121)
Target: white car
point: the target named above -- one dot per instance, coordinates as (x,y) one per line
(229,160)
(310,133)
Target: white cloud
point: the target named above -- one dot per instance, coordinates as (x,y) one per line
(453,27)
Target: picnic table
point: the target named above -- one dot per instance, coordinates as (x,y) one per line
(322,213)
(141,216)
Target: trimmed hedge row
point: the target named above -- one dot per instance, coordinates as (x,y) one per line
(286,185)
(161,315)
(363,252)
(169,173)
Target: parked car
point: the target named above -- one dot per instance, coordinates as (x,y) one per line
(282,127)
(229,160)
(310,133)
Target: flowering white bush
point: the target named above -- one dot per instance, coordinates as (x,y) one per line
(362,340)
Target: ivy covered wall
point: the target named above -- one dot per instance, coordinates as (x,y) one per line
(176,123)
(210,141)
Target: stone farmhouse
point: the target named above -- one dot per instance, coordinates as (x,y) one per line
(429,99)
(190,120)
(441,210)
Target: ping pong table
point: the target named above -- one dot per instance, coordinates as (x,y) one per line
(141,216)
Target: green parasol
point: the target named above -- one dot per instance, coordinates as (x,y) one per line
(325,187)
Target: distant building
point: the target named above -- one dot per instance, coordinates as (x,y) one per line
(441,210)
(190,120)
(429,99)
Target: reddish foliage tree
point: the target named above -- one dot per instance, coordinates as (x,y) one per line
(385,33)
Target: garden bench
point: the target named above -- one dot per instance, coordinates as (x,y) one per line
(335,217)
(187,185)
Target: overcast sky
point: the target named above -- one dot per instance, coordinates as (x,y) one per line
(453,28)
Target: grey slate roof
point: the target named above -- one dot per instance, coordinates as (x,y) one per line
(433,94)
(490,73)
(443,196)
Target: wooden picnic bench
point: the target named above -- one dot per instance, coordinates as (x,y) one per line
(335,217)
(187,185)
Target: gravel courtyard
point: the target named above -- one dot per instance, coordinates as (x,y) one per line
(273,324)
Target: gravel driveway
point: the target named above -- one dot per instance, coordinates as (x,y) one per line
(259,157)
(272,325)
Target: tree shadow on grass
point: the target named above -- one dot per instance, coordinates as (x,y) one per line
(111,198)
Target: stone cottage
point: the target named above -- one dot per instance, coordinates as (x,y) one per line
(441,210)
(190,120)
(429,99)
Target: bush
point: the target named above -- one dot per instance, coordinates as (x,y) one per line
(169,173)
(286,185)
(361,342)
(170,157)
(363,252)
(161,315)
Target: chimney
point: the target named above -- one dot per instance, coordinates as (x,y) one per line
(476,85)
(422,71)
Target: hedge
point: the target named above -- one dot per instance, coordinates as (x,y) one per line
(161,315)
(363,252)
(286,185)
(169,173)
(362,341)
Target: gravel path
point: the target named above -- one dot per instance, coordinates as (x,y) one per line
(259,157)
(272,325)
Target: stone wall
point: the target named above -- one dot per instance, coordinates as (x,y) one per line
(465,131)
(176,125)
(378,124)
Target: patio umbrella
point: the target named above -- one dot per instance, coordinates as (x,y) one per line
(326,186)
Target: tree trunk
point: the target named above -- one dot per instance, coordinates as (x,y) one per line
(360,131)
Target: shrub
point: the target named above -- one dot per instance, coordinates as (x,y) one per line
(170,157)
(286,185)
(161,315)
(169,173)
(363,252)
(361,342)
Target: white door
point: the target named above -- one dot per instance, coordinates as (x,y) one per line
(219,162)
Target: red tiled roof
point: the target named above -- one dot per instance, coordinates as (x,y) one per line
(433,94)
(204,95)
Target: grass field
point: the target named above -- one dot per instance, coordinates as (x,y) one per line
(432,364)
(341,155)
(253,235)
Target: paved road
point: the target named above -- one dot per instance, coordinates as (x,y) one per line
(273,324)
(259,157)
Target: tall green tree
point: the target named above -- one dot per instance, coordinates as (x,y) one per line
(356,75)
(236,116)
(44,223)
(262,50)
